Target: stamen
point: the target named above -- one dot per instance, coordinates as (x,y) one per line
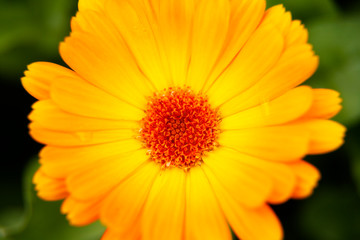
(179,127)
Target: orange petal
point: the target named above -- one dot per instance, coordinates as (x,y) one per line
(280,143)
(163,216)
(204,218)
(131,234)
(325,135)
(326,104)
(40,76)
(307,177)
(80,138)
(281,110)
(95,180)
(211,21)
(297,34)
(279,18)
(100,56)
(245,16)
(259,54)
(84,5)
(175,20)
(137,29)
(60,162)
(47,114)
(226,169)
(122,208)
(79,97)
(296,64)
(80,213)
(48,188)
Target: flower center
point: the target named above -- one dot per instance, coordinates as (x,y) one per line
(179,127)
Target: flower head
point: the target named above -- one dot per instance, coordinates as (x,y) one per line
(178,118)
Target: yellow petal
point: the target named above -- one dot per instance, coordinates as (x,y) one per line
(95,180)
(47,114)
(175,20)
(122,208)
(280,143)
(211,21)
(79,97)
(84,5)
(259,54)
(228,170)
(134,26)
(39,77)
(248,223)
(204,218)
(297,34)
(131,234)
(326,104)
(296,65)
(163,216)
(79,138)
(325,135)
(60,162)
(281,110)
(278,17)
(262,180)
(245,16)
(307,177)
(49,188)
(99,55)
(81,213)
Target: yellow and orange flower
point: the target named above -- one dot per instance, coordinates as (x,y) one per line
(180,118)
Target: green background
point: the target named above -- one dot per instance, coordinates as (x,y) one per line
(30,30)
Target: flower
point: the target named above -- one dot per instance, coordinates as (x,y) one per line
(179,118)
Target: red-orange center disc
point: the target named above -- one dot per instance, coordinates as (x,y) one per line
(179,127)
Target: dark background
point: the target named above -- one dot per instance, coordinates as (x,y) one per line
(30,30)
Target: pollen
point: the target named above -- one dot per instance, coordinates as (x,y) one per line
(179,127)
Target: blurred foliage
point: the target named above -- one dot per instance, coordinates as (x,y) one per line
(30,30)
(40,219)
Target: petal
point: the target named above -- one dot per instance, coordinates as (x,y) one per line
(175,20)
(79,138)
(163,216)
(122,208)
(39,77)
(297,34)
(97,52)
(95,180)
(280,143)
(325,135)
(278,17)
(84,5)
(131,234)
(307,177)
(48,188)
(326,104)
(137,29)
(248,185)
(204,218)
(259,54)
(261,179)
(281,110)
(60,162)
(245,16)
(248,223)
(47,114)
(211,21)
(80,213)
(296,64)
(74,95)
